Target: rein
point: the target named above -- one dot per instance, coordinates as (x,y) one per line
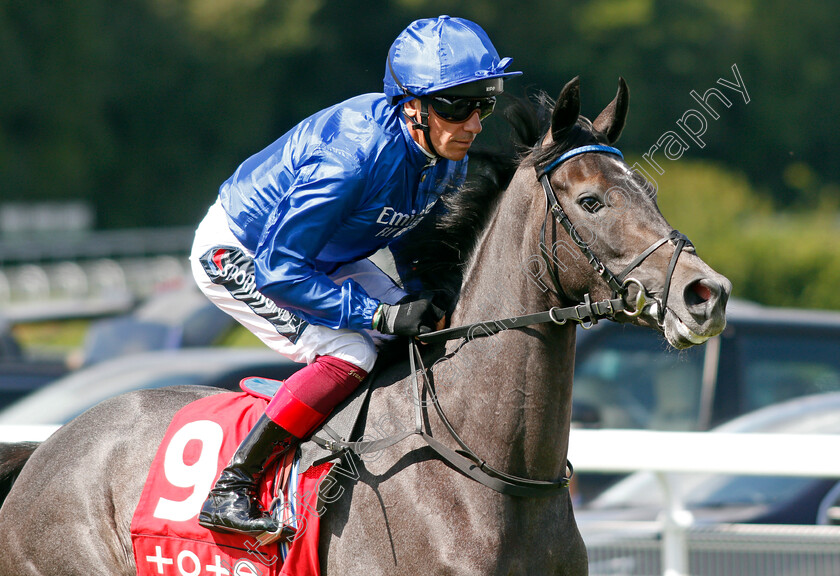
(465,460)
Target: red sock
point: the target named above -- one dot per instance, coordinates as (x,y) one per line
(310,394)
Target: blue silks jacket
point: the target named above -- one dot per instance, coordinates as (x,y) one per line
(336,188)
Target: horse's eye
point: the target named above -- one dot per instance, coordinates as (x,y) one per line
(591,204)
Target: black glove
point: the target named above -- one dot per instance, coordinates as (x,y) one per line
(407,318)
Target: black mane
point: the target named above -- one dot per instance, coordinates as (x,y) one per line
(581,134)
(12,458)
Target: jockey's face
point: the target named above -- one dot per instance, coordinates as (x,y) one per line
(451,140)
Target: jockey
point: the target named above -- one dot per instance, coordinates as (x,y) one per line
(284,250)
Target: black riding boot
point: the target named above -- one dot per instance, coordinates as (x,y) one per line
(232,504)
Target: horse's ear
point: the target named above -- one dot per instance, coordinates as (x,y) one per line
(611,121)
(566,110)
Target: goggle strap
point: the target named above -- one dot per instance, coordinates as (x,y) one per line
(424,116)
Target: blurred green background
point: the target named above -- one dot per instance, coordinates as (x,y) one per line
(143,107)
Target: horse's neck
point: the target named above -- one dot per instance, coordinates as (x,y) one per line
(514,388)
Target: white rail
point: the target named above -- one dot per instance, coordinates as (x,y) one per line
(631,450)
(717,453)
(664,453)
(25,433)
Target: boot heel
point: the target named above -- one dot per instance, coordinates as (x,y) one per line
(232,504)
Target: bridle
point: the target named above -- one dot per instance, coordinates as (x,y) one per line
(588,312)
(465,460)
(619,283)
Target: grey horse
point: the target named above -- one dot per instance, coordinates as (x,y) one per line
(508,395)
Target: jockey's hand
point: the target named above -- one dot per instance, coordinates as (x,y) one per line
(408,317)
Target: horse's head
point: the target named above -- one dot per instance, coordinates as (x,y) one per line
(607,213)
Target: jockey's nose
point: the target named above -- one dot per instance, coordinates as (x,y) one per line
(473,123)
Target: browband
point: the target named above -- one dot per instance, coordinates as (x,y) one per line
(581,150)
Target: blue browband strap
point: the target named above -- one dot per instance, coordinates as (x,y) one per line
(581,150)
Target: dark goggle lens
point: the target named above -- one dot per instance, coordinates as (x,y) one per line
(460,110)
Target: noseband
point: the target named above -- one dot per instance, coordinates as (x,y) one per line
(618,283)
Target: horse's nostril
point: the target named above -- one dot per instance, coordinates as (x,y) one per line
(700,292)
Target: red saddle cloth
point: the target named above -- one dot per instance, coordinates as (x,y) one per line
(198,444)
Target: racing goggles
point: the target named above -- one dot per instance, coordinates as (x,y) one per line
(460,109)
